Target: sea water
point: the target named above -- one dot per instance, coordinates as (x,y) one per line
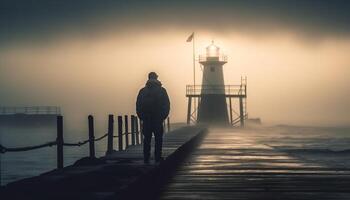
(19,165)
(329,146)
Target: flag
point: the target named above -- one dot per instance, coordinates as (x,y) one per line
(189,39)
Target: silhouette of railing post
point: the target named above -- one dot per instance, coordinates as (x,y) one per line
(59,141)
(137,130)
(141,130)
(168,123)
(126,121)
(120,133)
(91,136)
(110,134)
(133,133)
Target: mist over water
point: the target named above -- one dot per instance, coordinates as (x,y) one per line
(289,81)
(91,57)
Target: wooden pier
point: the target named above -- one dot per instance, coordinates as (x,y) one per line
(119,174)
(221,164)
(235,164)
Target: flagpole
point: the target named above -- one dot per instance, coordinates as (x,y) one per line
(194,72)
(194,62)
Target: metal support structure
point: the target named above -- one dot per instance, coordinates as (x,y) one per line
(241,111)
(189,110)
(230,102)
(231,91)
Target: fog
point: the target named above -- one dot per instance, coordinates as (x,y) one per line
(297,71)
(288,81)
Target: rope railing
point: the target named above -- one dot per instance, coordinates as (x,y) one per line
(136,137)
(85,141)
(4,149)
(116,136)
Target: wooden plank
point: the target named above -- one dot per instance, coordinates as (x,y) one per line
(231,164)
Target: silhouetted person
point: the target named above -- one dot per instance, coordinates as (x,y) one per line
(152,107)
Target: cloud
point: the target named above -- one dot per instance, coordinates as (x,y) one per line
(41,20)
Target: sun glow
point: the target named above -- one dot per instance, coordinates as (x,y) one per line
(279,68)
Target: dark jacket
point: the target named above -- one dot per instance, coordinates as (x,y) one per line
(159,110)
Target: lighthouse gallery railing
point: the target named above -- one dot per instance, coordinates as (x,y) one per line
(227,90)
(207,58)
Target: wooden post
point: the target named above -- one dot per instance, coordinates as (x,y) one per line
(126,131)
(168,122)
(133,129)
(241,113)
(59,141)
(120,133)
(189,110)
(110,134)
(91,136)
(141,131)
(137,130)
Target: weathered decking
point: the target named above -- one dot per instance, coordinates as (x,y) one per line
(233,164)
(117,175)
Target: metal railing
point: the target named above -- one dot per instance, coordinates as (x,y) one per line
(239,90)
(31,110)
(206,58)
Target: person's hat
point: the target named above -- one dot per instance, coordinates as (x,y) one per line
(152,75)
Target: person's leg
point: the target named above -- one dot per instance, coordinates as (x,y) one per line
(147,136)
(158,134)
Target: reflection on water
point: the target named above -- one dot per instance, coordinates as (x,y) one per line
(272,150)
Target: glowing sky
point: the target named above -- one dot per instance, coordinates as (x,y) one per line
(93,56)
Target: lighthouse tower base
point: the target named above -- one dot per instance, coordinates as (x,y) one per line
(212,106)
(213,109)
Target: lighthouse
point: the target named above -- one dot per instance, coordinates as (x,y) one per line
(213,94)
(213,108)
